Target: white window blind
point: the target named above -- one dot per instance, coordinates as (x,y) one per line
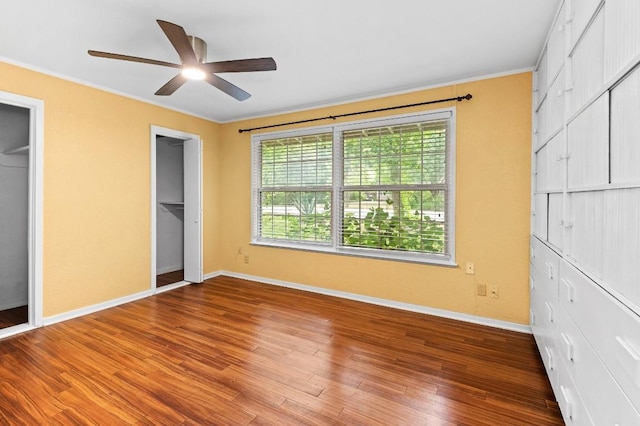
(395,187)
(295,188)
(380,188)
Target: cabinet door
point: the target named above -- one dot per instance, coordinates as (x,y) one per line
(586,232)
(588,162)
(540,216)
(622,35)
(555,47)
(582,12)
(621,255)
(625,130)
(587,64)
(555,220)
(555,158)
(555,105)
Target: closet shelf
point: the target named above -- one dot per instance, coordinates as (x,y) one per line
(21,150)
(172,204)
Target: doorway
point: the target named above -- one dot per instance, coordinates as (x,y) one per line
(176,209)
(21,140)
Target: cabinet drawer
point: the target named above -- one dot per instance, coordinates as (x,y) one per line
(611,329)
(571,405)
(544,271)
(605,401)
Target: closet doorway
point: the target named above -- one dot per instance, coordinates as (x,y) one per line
(176,210)
(21,139)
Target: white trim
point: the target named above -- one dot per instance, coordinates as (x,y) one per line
(374,96)
(211,275)
(96,308)
(36,184)
(168,269)
(18,329)
(443,114)
(14,302)
(505,325)
(273,112)
(172,286)
(99,87)
(156,131)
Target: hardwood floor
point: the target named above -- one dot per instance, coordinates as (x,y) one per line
(234,352)
(14,316)
(169,278)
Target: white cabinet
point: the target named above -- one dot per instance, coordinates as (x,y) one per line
(621,255)
(625,130)
(622,35)
(587,73)
(588,154)
(555,47)
(586,233)
(613,333)
(585,249)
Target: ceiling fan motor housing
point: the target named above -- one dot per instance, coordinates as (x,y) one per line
(199,48)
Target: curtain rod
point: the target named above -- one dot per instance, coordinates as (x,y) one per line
(349,114)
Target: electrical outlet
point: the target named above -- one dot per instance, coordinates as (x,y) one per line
(246,259)
(470,268)
(494,292)
(481,289)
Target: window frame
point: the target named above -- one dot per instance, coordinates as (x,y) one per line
(338,187)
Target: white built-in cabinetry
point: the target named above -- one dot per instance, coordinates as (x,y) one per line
(585,247)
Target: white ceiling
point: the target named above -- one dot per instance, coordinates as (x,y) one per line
(326,51)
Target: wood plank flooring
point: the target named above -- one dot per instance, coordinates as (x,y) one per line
(14,316)
(234,352)
(169,278)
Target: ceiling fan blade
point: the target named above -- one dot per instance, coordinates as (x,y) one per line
(228,88)
(172,85)
(240,65)
(131,58)
(180,41)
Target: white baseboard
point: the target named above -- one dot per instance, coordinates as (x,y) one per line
(16,329)
(13,303)
(95,308)
(505,325)
(172,286)
(344,295)
(214,274)
(167,269)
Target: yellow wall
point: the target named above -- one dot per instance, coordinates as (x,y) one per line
(97,196)
(97,189)
(492,209)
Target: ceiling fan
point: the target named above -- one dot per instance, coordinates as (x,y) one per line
(193,54)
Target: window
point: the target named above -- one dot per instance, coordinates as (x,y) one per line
(390,180)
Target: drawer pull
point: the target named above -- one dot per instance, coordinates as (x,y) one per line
(568,346)
(532,283)
(532,316)
(629,359)
(549,270)
(566,398)
(550,310)
(571,290)
(549,358)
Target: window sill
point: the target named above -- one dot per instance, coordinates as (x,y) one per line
(366,253)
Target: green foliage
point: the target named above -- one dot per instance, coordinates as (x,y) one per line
(315,227)
(378,230)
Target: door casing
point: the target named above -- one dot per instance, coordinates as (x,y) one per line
(193,255)
(35,227)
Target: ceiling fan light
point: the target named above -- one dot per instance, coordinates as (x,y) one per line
(193,73)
